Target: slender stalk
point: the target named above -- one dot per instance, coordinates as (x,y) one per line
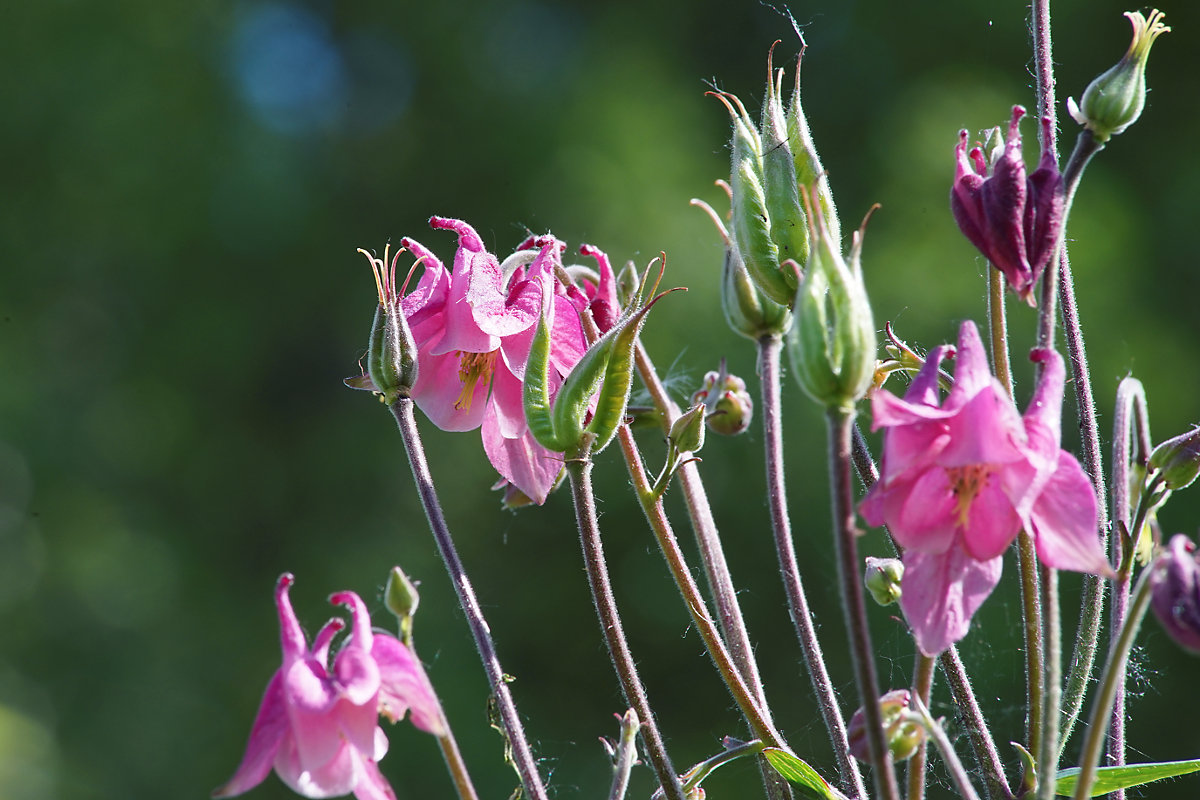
(526,767)
(1035,689)
(977,729)
(980,735)
(625,756)
(652,506)
(712,553)
(998,329)
(953,765)
(840,423)
(579,471)
(756,715)
(921,688)
(1052,700)
(1131,406)
(1110,685)
(769,349)
(457,767)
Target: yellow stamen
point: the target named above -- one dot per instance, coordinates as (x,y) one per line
(472,368)
(966,483)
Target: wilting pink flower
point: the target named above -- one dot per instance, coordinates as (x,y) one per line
(319,728)
(1175,591)
(961,478)
(1014,221)
(473,328)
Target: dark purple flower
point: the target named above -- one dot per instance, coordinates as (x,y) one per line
(1175,592)
(1014,220)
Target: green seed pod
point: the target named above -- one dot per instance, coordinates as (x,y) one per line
(1114,101)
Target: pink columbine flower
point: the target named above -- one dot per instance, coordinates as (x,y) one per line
(1014,221)
(961,478)
(319,728)
(473,328)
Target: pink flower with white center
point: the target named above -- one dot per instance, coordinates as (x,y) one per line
(473,328)
(961,478)
(319,728)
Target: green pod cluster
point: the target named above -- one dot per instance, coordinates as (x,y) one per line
(605,370)
(746,310)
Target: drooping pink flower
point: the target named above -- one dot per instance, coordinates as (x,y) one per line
(961,478)
(319,727)
(473,328)
(1015,221)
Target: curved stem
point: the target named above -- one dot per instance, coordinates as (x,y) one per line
(579,471)
(769,349)
(712,553)
(652,506)
(402,410)
(922,686)
(840,424)
(1111,682)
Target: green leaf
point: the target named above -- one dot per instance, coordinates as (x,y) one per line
(1110,779)
(800,774)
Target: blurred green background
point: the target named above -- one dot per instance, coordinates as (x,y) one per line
(181,297)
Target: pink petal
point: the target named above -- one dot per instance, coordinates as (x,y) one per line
(986,430)
(359,723)
(913,446)
(357,675)
(309,700)
(971,371)
(371,785)
(924,388)
(992,522)
(266,734)
(291,635)
(1064,520)
(920,510)
(405,686)
(332,778)
(439,388)
(1043,417)
(324,638)
(940,592)
(361,635)
(525,463)
(503,313)
(506,408)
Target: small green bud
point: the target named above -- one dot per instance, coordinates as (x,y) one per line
(882,579)
(391,350)
(401,598)
(687,431)
(832,342)
(902,729)
(1178,459)
(728,405)
(1114,101)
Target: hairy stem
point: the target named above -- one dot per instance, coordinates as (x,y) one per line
(921,688)
(579,471)
(402,410)
(840,424)
(1111,684)
(769,349)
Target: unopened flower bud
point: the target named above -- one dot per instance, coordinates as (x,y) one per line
(687,431)
(882,579)
(401,598)
(902,732)
(1175,592)
(1114,101)
(1178,459)
(832,342)
(729,407)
